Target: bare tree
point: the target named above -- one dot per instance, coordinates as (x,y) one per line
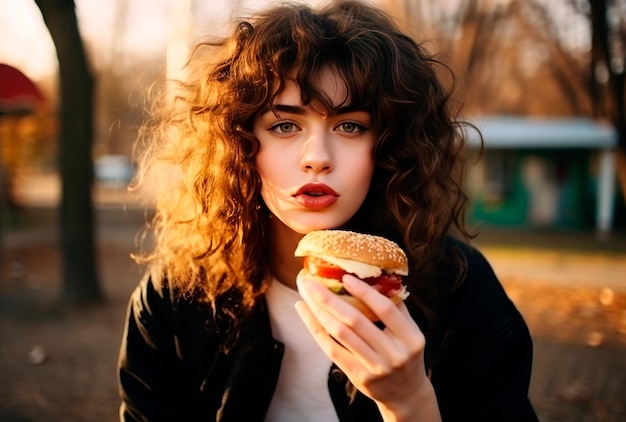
(512,56)
(608,52)
(80,277)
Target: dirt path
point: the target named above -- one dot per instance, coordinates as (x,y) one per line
(59,365)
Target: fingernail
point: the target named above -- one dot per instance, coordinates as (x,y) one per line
(349,279)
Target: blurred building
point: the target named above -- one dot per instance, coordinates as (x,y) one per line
(544,173)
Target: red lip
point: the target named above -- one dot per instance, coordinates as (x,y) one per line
(316,196)
(316,189)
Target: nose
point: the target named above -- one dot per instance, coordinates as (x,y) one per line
(317,155)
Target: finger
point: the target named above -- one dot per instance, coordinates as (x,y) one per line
(344,323)
(396,318)
(341,356)
(337,317)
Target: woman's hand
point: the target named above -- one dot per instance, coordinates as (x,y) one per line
(385,365)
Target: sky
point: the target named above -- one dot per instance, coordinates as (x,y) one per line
(26,44)
(25,41)
(147,25)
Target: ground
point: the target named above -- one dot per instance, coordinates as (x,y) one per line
(58,364)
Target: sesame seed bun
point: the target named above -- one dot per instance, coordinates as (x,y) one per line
(343,248)
(366,248)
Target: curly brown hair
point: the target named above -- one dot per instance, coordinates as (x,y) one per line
(210,222)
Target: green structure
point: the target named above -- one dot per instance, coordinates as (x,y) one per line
(556,173)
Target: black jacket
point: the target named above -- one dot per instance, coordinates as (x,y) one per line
(171,368)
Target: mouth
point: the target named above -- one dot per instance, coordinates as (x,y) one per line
(316,196)
(316,190)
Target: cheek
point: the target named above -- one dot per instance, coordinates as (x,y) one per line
(264,156)
(361,167)
(269,170)
(263,167)
(366,177)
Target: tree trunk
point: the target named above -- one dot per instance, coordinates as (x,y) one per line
(77,232)
(620,82)
(601,51)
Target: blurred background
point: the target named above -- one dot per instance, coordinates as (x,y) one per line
(544,81)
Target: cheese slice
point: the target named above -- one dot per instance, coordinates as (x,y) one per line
(361,269)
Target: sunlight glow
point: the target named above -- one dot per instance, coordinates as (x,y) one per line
(118,32)
(26,43)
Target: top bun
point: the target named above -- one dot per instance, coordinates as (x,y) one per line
(366,248)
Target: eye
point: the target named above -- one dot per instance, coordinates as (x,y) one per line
(284,128)
(351,127)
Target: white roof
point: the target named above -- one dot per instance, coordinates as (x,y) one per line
(532,132)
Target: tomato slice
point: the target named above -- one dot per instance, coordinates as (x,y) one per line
(321,268)
(384,283)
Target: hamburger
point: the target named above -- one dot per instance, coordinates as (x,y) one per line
(329,254)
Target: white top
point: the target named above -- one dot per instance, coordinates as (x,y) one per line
(302,390)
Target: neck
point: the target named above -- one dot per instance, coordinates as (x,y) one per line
(284,266)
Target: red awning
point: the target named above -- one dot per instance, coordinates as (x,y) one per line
(18,94)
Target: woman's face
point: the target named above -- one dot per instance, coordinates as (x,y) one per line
(315,168)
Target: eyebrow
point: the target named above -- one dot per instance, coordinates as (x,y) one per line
(292,109)
(296,109)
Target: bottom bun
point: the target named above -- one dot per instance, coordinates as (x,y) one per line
(304,277)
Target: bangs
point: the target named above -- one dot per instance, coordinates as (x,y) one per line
(296,44)
(309,80)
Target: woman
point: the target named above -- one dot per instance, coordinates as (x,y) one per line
(307,120)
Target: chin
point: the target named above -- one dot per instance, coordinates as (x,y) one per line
(304,224)
(304,227)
